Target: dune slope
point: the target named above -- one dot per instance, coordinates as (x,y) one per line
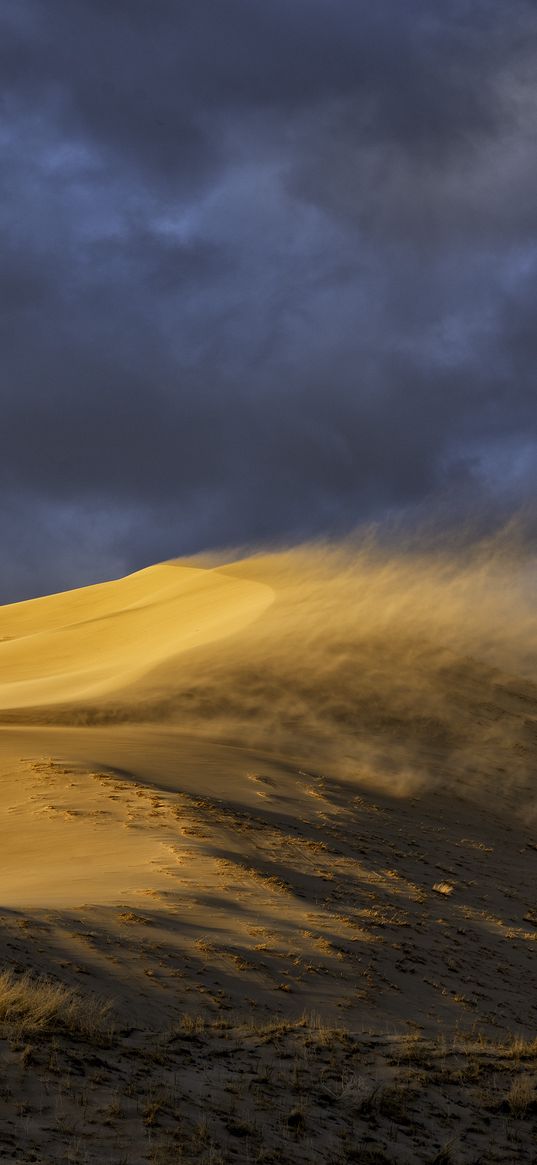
(318,757)
(91,641)
(231,796)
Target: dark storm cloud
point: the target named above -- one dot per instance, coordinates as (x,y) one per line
(268,269)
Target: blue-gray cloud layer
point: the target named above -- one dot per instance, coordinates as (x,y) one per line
(268,269)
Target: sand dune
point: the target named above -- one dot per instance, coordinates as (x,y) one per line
(89,642)
(296,782)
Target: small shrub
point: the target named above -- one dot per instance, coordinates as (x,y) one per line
(443,888)
(30,1005)
(522,1098)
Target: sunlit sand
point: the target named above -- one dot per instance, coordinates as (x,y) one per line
(293,783)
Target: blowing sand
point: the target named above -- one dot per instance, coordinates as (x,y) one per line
(277,811)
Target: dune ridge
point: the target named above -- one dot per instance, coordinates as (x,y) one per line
(400,669)
(90,641)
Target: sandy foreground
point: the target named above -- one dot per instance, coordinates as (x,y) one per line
(269,864)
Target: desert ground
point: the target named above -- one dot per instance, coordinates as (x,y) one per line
(269,862)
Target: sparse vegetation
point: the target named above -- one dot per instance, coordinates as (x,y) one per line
(521,1098)
(30,1005)
(218,1091)
(443,888)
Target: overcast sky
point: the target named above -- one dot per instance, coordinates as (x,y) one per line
(268,269)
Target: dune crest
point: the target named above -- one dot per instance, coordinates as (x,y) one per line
(398,670)
(87,642)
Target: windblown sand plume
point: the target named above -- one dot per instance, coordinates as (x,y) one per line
(386,666)
(252,792)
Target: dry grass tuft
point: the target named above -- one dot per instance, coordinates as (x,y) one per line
(521,1049)
(36,1005)
(522,1096)
(445,888)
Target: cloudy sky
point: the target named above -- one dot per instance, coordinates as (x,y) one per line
(268,269)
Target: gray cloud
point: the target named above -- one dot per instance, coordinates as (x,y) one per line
(267,270)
